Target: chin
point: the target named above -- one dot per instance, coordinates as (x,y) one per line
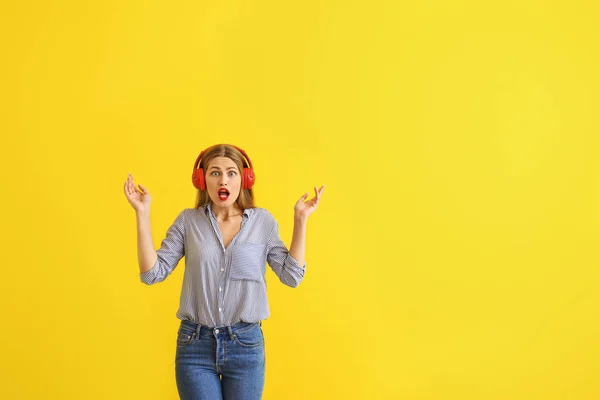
(228,202)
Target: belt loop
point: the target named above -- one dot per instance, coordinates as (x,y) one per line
(231,335)
(198,327)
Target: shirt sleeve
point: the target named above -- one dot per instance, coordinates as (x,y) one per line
(172,249)
(281,262)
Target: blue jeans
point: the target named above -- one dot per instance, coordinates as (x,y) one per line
(224,363)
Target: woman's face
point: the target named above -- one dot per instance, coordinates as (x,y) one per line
(223,181)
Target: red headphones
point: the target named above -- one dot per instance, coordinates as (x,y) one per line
(198,174)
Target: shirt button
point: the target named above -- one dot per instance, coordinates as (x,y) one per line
(220,289)
(220,309)
(216,331)
(222,269)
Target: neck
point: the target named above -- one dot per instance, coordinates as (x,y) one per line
(224,213)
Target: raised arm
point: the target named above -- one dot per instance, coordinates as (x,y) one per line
(302,210)
(140,200)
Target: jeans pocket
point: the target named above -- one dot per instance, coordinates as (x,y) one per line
(185,337)
(248,261)
(253,337)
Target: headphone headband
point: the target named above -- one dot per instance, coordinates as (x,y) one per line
(199,159)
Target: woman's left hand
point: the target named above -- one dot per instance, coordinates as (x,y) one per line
(303,209)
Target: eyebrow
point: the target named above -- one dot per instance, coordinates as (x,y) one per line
(215,167)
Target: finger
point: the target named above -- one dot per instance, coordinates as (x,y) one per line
(128,188)
(321,190)
(144,190)
(304,196)
(301,200)
(133,189)
(129,192)
(317,196)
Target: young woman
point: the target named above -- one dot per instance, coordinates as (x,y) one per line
(227,242)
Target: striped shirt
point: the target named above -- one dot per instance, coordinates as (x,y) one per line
(223,286)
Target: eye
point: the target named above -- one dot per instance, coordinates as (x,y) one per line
(215,173)
(232,173)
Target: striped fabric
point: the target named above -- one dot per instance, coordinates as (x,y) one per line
(223,286)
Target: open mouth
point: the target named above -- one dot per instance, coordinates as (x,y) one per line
(223,194)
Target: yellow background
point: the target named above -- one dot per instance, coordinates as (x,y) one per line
(454,255)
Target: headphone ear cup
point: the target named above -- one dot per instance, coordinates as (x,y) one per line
(198,179)
(248,178)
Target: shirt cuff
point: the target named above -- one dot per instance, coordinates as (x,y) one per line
(149,277)
(292,263)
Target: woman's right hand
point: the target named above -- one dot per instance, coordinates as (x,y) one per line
(138,198)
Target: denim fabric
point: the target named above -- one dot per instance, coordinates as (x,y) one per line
(223,363)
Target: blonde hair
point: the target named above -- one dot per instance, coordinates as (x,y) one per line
(246,197)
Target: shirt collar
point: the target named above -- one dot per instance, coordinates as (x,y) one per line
(209,212)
